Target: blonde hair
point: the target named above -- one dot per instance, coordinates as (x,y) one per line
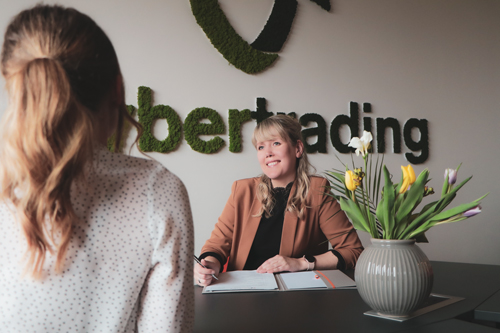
(290,130)
(59,67)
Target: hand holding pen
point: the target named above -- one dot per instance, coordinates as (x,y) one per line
(199,263)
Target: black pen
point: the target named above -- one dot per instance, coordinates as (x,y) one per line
(199,262)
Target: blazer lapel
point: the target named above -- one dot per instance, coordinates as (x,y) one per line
(289,227)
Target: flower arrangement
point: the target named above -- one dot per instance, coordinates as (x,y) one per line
(388,211)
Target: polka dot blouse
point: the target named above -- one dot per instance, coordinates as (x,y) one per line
(129,265)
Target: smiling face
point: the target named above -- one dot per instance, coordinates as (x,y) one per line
(278,159)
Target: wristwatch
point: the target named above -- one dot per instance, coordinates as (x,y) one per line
(310,260)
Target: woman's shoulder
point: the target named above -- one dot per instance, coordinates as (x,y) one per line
(245,185)
(247,181)
(125,163)
(318,180)
(318,187)
(138,170)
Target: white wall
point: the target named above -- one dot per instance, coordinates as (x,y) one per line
(429,59)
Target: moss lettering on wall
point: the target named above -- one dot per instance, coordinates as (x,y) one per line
(319,132)
(289,114)
(350,121)
(226,40)
(382,126)
(238,52)
(261,113)
(325,4)
(148,114)
(422,145)
(277,28)
(236,119)
(194,127)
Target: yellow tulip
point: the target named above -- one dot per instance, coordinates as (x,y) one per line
(408,178)
(350,181)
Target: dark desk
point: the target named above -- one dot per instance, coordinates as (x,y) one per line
(342,310)
(489,310)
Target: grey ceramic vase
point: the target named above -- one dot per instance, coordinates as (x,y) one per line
(394,277)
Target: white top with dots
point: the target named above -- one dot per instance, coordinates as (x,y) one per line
(129,265)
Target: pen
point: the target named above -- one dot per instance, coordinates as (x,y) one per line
(199,263)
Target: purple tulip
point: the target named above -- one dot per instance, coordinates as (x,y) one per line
(473,211)
(451,174)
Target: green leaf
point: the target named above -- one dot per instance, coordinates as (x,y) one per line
(337,188)
(369,177)
(401,226)
(445,186)
(378,173)
(373,226)
(453,220)
(421,229)
(434,218)
(419,220)
(456,210)
(428,206)
(339,178)
(413,197)
(420,238)
(337,175)
(445,201)
(355,215)
(385,209)
(398,185)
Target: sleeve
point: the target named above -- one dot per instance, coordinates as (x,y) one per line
(333,221)
(167,297)
(221,239)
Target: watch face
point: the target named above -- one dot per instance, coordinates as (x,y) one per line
(310,258)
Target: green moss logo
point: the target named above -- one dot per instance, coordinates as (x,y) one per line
(250,58)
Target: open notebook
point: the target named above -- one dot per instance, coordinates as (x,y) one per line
(251,281)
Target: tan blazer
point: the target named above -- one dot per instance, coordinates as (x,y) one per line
(235,230)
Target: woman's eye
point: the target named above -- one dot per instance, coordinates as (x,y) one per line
(260,147)
(277,143)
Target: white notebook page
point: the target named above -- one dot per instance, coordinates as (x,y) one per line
(302,280)
(243,280)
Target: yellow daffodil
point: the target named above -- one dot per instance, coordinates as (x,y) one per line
(362,145)
(350,182)
(408,178)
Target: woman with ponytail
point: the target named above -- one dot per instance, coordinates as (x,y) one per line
(90,240)
(282,220)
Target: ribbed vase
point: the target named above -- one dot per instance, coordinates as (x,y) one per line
(394,277)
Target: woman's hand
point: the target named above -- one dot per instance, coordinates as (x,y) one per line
(202,275)
(280,264)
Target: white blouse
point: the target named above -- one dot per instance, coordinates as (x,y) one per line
(129,265)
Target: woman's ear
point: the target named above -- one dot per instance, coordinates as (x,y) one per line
(299,149)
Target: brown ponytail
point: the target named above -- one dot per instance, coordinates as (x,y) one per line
(59,66)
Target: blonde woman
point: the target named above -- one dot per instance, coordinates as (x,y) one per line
(90,241)
(282,220)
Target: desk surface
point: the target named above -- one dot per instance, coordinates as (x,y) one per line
(342,310)
(490,309)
